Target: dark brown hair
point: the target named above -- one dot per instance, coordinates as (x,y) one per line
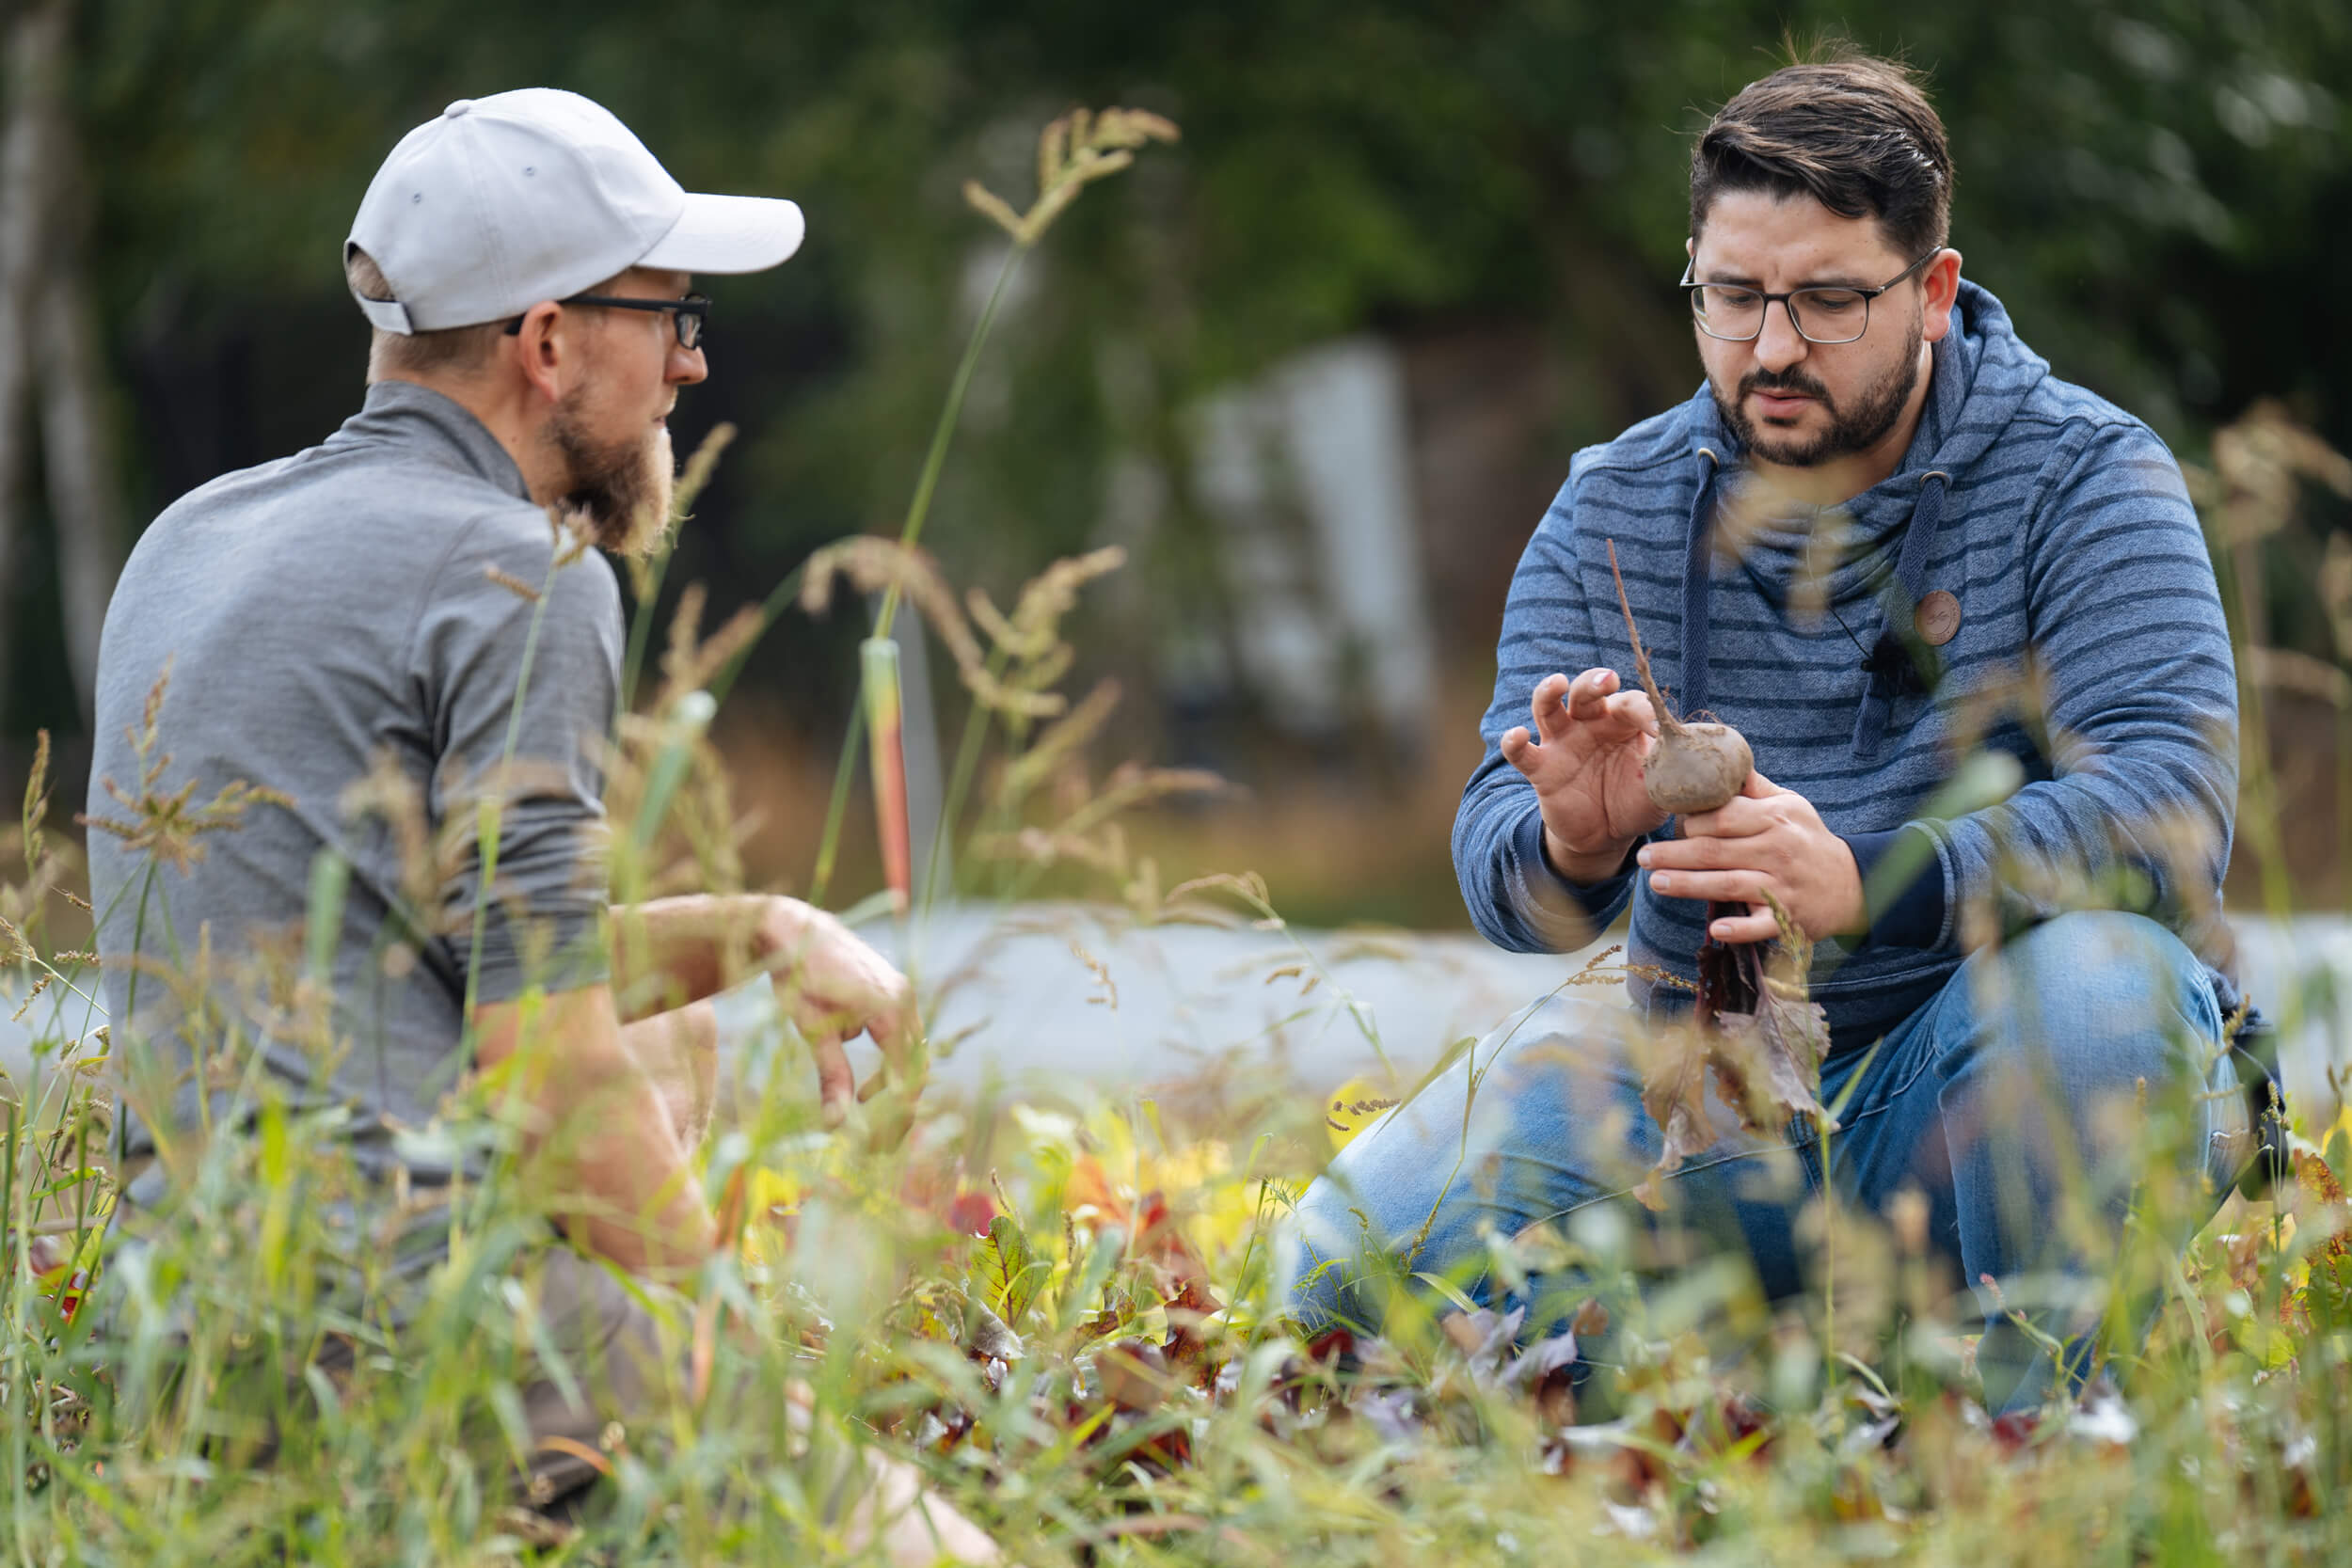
(1853,131)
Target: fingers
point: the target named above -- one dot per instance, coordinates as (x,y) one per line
(1631,709)
(1551,714)
(1594,698)
(904,1070)
(1722,887)
(1589,694)
(1735,819)
(1558,705)
(881,1112)
(894,1089)
(896,1027)
(1520,750)
(1731,846)
(1752,927)
(1750,887)
(838,986)
(836,1086)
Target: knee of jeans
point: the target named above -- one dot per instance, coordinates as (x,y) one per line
(1317,1246)
(2093,975)
(2107,1006)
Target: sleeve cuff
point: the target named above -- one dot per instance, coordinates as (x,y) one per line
(1566,913)
(1905,915)
(556,953)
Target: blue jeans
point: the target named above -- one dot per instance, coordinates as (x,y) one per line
(2022,1104)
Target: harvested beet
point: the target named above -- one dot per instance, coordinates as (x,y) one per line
(1697,765)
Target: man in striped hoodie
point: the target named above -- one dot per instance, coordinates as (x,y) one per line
(1963,613)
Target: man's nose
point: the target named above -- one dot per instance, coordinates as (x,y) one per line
(687,366)
(1780,345)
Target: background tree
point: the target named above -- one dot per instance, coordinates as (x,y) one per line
(53,383)
(2144,184)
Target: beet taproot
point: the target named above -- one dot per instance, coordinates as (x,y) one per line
(1696,765)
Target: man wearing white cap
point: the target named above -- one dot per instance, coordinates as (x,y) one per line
(384,633)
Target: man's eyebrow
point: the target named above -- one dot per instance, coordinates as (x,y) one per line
(1744,281)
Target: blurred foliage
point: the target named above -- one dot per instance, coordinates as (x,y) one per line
(2143,184)
(1060,1306)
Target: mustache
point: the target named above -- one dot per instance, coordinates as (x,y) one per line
(1788,381)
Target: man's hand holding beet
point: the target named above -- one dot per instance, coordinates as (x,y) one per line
(1769,840)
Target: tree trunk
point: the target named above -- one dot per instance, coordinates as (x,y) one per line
(78,454)
(36,41)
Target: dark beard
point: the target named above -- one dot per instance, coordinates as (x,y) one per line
(618,492)
(1849,431)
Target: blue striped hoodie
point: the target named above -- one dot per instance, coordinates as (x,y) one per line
(2090,647)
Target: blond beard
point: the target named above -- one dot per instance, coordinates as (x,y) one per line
(649,525)
(618,494)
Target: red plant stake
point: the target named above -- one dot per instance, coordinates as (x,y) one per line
(884,722)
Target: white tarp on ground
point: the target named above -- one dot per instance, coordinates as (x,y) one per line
(1021,1000)
(1188,996)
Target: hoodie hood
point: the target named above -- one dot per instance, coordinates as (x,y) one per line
(1982,374)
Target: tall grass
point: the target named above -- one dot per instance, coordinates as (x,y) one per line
(1062,1311)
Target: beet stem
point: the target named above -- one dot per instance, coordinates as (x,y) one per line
(1667,722)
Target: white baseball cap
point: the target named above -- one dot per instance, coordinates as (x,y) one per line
(539,194)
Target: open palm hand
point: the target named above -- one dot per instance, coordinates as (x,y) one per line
(1584,756)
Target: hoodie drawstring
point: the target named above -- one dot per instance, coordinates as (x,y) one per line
(1900,659)
(1697,576)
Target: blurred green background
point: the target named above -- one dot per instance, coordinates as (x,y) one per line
(1487,197)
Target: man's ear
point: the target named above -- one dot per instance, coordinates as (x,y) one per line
(542,346)
(1940,282)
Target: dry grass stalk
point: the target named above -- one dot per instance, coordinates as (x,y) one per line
(2260,462)
(1072,153)
(872,563)
(1061,742)
(1032,632)
(169,825)
(689,663)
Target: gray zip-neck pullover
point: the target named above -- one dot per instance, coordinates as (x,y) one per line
(336,631)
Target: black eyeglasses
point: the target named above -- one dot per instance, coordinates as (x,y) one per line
(1840,314)
(688,314)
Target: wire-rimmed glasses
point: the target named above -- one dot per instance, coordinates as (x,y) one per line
(1833,315)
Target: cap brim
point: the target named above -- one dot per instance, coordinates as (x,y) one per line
(728,234)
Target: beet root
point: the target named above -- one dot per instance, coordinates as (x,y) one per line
(1697,765)
(1697,768)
